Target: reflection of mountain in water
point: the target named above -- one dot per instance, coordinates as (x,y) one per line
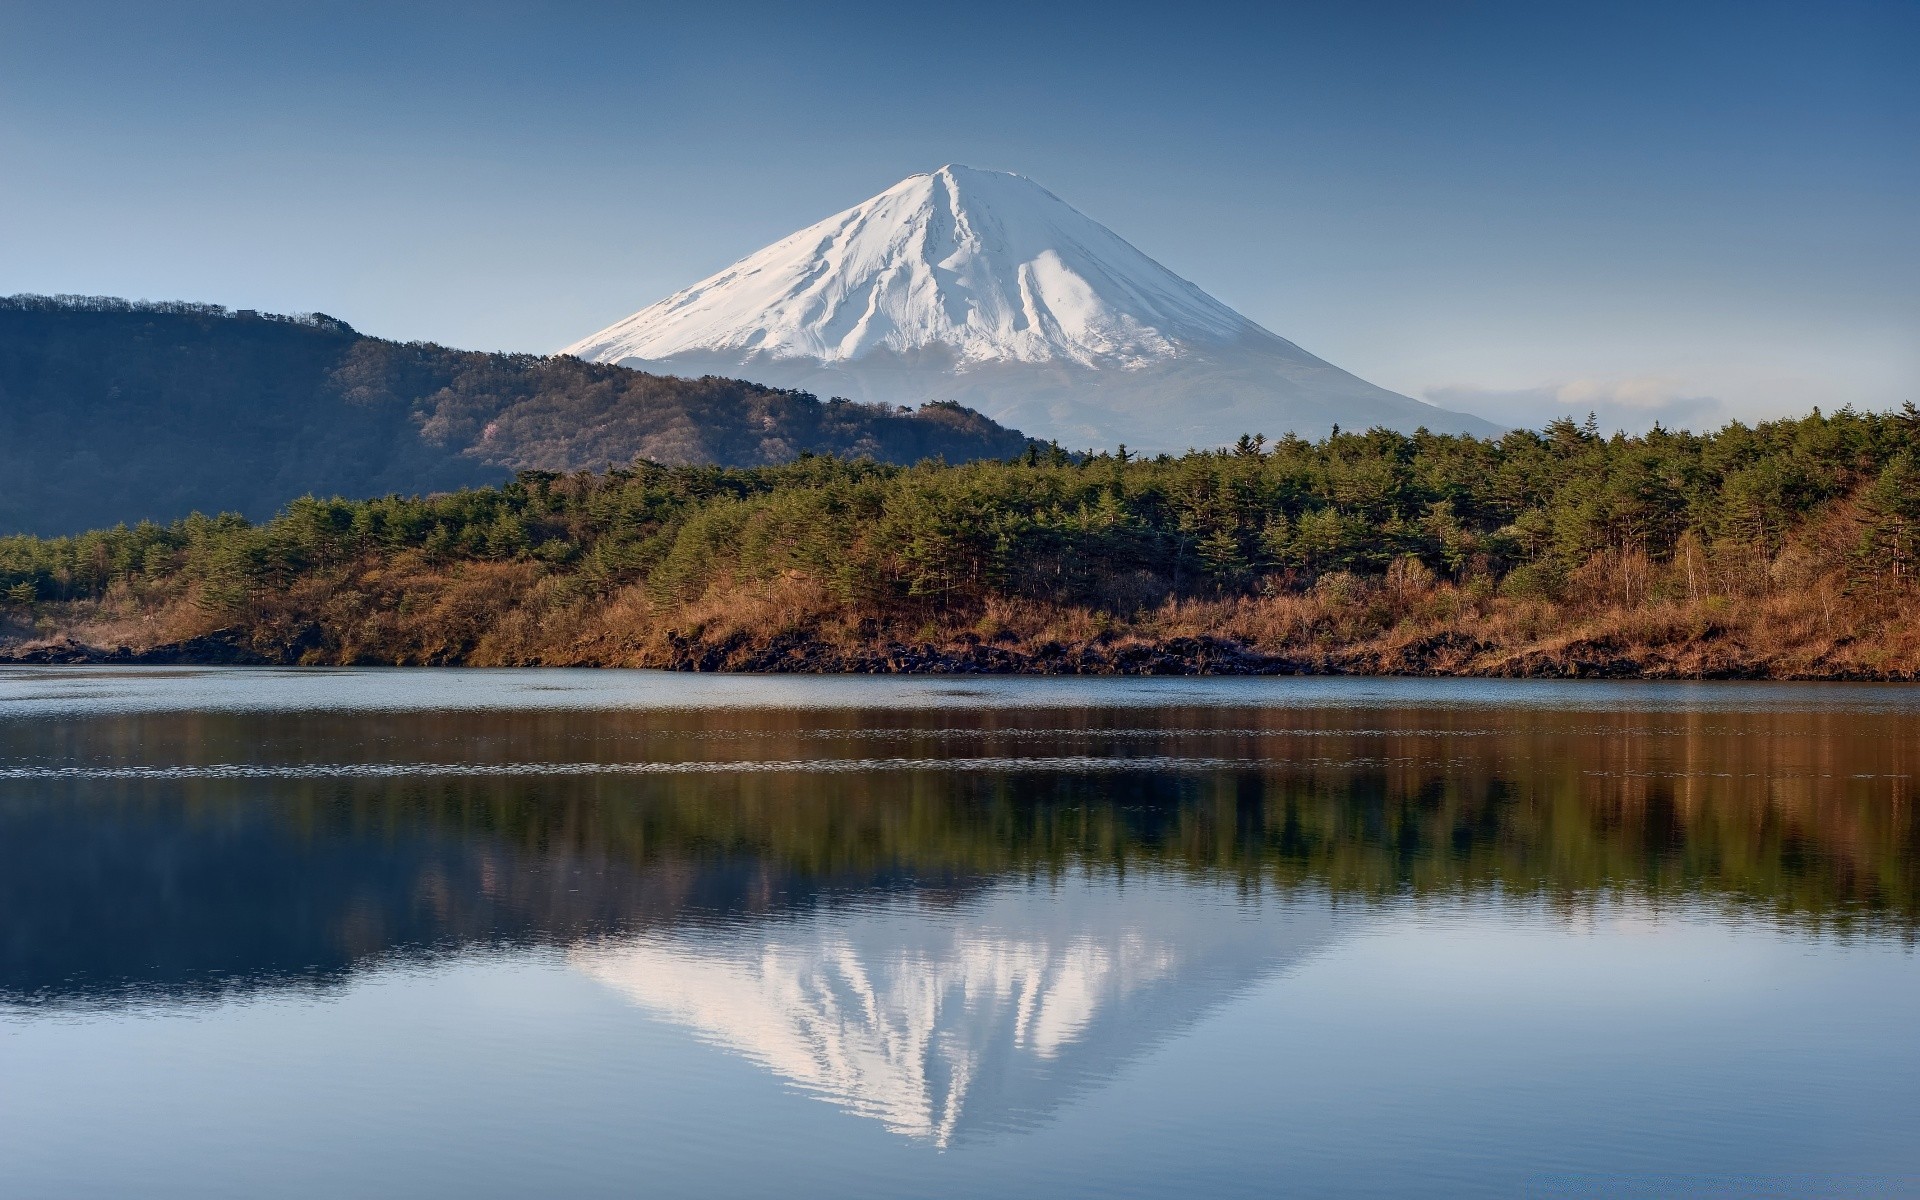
(116,889)
(940,1020)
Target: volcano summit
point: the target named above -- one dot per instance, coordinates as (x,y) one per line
(984,288)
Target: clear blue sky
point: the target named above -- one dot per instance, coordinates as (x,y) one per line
(1682,209)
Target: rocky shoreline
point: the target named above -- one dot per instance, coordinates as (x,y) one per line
(1449,655)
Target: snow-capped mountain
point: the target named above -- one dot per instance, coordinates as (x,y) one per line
(985,288)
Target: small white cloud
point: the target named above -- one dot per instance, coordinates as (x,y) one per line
(1631,404)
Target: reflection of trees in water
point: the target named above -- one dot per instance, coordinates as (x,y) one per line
(110,889)
(1830,859)
(178,892)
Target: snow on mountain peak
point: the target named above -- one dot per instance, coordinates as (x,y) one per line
(984,289)
(985,266)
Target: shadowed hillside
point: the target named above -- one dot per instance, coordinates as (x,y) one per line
(114,412)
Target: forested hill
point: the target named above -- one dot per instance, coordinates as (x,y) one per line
(112,411)
(1785,550)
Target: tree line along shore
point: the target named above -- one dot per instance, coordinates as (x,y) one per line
(1787,549)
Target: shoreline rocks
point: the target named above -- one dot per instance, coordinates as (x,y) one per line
(1445,656)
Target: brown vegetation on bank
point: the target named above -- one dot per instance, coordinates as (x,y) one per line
(1788,551)
(1408,623)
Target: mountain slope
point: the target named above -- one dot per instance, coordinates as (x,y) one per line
(983,287)
(990,266)
(112,411)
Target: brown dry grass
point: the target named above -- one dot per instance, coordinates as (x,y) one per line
(409,611)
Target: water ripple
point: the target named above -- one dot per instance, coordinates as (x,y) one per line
(1071,762)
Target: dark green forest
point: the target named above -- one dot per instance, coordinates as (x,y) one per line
(116,411)
(1530,514)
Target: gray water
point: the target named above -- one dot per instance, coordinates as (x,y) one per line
(476,933)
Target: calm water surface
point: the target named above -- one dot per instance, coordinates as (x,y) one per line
(439,933)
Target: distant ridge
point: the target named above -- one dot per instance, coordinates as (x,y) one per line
(984,288)
(119,411)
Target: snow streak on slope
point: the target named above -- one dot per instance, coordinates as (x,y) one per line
(986,289)
(951,1020)
(990,266)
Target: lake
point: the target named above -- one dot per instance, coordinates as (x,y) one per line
(511,933)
